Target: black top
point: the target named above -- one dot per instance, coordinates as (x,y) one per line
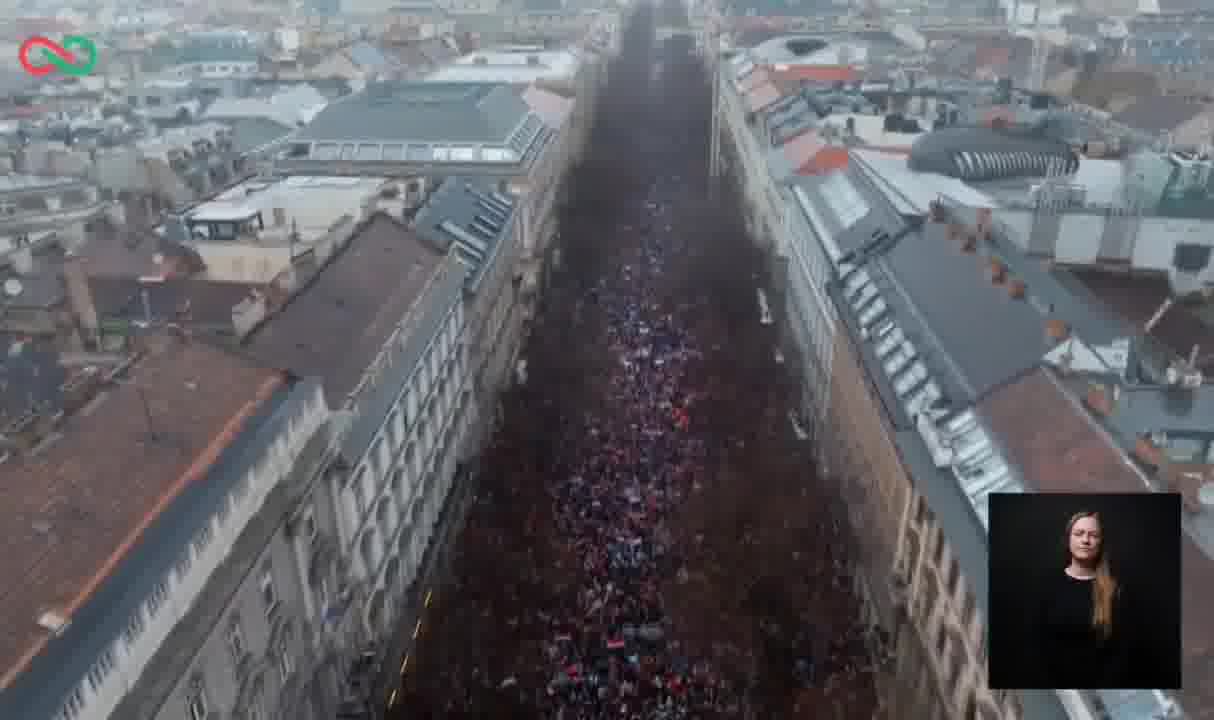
(1073,655)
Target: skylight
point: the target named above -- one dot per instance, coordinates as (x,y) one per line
(845,202)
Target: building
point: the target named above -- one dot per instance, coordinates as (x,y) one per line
(522,140)
(32,208)
(480,225)
(147,506)
(893,267)
(257,229)
(256,123)
(512,64)
(382,325)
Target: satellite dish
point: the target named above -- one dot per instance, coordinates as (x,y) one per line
(12,287)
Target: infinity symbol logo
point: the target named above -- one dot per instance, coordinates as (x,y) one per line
(77,56)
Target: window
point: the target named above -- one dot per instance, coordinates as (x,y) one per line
(225,509)
(184,563)
(394,429)
(285,665)
(398,483)
(134,627)
(360,492)
(938,553)
(268,594)
(73,705)
(309,523)
(196,704)
(255,710)
(377,452)
(101,669)
(156,599)
(954,577)
(204,538)
(236,640)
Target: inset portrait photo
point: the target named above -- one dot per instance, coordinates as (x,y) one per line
(1084,591)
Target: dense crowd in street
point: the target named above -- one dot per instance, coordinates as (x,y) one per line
(648,542)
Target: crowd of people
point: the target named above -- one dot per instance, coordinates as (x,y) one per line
(647,543)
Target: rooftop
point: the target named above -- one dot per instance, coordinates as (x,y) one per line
(509,65)
(336,324)
(76,506)
(976,412)
(15,183)
(471,215)
(310,205)
(186,301)
(422,123)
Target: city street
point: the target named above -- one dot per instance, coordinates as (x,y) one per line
(649,538)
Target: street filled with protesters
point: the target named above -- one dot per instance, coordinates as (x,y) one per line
(649,539)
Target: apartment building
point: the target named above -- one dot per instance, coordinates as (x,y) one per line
(479,225)
(383,326)
(947,363)
(143,578)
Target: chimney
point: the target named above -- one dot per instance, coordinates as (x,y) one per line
(937,211)
(1016,289)
(1057,330)
(23,260)
(970,242)
(1147,452)
(1099,400)
(998,271)
(81,297)
(248,314)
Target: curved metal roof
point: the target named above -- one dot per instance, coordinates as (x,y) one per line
(979,153)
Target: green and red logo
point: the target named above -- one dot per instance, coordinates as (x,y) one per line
(76,56)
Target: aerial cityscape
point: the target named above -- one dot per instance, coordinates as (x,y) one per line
(581,359)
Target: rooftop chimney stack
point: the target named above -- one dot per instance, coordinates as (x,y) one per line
(80,297)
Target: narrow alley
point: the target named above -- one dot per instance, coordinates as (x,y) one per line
(649,538)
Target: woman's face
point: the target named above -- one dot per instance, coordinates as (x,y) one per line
(1085,539)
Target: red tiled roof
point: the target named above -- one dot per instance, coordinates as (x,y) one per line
(817,73)
(825,160)
(73,511)
(1059,448)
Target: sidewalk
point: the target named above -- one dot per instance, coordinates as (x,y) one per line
(434,568)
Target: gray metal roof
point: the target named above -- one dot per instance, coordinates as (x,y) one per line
(423,115)
(980,153)
(39,691)
(473,216)
(911,330)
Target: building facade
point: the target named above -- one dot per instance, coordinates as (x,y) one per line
(906,397)
(398,379)
(152,599)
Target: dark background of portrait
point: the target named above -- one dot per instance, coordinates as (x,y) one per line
(1142,534)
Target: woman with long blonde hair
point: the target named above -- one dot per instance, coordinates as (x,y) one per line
(1081,619)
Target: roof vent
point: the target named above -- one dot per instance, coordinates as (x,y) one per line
(52,622)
